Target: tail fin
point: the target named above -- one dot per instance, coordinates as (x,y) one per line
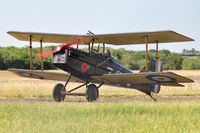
(152,68)
(154,88)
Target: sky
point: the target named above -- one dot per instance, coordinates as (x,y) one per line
(100,17)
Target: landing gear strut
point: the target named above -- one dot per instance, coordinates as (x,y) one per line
(91,93)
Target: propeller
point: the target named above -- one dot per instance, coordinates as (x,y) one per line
(45,54)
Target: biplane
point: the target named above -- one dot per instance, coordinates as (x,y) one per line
(97,67)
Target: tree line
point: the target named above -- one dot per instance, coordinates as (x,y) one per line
(13,57)
(190,52)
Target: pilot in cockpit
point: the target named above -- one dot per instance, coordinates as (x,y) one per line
(107,54)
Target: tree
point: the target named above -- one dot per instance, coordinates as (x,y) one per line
(19,58)
(191,63)
(174,61)
(2,64)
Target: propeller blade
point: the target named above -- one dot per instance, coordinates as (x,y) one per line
(45,54)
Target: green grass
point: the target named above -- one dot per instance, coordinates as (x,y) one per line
(132,117)
(128,117)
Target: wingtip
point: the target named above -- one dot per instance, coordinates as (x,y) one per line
(192,39)
(9,32)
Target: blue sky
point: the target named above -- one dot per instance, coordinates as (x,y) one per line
(101,16)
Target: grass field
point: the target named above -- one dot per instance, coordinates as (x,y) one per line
(160,117)
(128,117)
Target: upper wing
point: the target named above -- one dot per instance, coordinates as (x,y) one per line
(44,75)
(115,39)
(50,38)
(138,38)
(163,78)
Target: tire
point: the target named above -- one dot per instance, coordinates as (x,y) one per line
(57,96)
(92,93)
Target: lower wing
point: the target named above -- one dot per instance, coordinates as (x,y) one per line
(128,79)
(123,79)
(44,75)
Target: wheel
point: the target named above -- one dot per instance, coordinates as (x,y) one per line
(92,93)
(97,93)
(57,96)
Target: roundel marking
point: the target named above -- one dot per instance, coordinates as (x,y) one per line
(160,78)
(84,67)
(30,75)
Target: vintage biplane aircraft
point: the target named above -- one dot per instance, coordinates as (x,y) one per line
(95,68)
